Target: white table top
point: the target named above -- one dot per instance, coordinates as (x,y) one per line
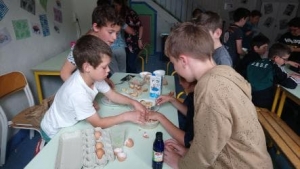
(139,156)
(296,91)
(53,64)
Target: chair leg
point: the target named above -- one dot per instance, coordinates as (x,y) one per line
(31,134)
(4,130)
(146,55)
(168,65)
(142,60)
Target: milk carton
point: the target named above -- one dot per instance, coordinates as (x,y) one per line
(155,86)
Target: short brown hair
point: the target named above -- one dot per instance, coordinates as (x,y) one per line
(104,14)
(279,49)
(90,49)
(211,20)
(189,39)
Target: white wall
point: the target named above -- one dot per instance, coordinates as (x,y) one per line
(22,55)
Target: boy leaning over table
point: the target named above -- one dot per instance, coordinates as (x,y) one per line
(73,101)
(227,133)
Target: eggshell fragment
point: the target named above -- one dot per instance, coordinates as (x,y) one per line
(117,150)
(100,152)
(99,145)
(97,134)
(129,142)
(121,156)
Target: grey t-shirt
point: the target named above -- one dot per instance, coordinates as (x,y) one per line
(222,57)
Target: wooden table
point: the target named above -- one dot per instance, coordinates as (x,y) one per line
(139,156)
(50,67)
(281,94)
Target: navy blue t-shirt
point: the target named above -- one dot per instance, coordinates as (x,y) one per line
(186,123)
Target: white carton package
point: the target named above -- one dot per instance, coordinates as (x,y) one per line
(155,86)
(77,149)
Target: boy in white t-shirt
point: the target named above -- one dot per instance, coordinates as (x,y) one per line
(73,101)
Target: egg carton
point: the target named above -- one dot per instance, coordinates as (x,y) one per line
(77,149)
(90,159)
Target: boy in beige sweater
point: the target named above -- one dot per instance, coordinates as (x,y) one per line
(227,133)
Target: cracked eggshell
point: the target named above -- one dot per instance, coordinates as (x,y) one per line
(100,152)
(99,145)
(121,156)
(129,142)
(97,134)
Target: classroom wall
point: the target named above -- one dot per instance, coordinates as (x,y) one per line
(23,52)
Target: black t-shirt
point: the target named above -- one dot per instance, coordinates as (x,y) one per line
(189,125)
(233,33)
(293,41)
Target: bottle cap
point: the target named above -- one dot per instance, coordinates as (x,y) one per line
(159,135)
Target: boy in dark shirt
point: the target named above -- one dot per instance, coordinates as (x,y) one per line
(292,39)
(185,133)
(259,47)
(264,74)
(233,37)
(250,29)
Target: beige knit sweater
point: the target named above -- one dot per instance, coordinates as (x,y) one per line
(227,131)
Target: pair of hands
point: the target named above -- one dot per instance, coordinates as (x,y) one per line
(173,152)
(153,115)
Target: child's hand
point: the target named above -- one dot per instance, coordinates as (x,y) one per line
(173,145)
(135,117)
(163,99)
(294,64)
(153,115)
(138,106)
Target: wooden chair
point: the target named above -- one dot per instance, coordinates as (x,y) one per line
(13,83)
(181,96)
(168,67)
(173,73)
(142,63)
(144,52)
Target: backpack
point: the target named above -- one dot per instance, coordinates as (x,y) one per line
(260,74)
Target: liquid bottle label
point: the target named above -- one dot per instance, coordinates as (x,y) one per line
(158,156)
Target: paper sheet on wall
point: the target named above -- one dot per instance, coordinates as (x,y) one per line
(57,15)
(21,29)
(44,4)
(5,37)
(44,24)
(3,9)
(28,5)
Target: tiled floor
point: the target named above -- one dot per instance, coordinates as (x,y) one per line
(21,149)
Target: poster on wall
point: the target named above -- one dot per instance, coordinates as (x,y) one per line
(28,5)
(58,3)
(268,9)
(44,4)
(5,37)
(44,24)
(3,9)
(289,10)
(269,22)
(57,15)
(35,28)
(21,29)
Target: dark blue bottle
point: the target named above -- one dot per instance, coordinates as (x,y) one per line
(158,151)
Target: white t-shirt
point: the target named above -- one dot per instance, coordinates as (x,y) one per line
(73,102)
